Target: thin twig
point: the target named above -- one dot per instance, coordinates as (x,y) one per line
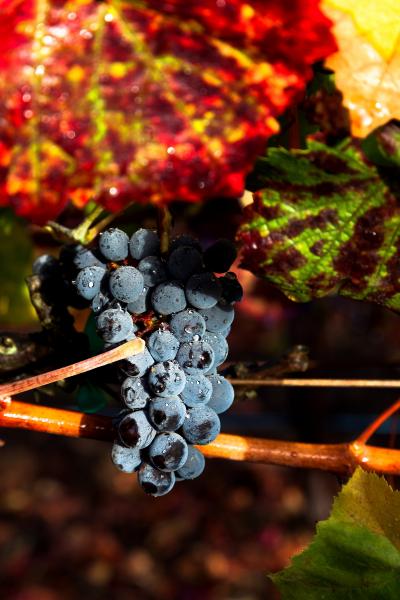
(339,458)
(130,348)
(333,383)
(374,426)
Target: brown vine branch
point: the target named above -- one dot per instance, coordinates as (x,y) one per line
(130,348)
(339,458)
(333,383)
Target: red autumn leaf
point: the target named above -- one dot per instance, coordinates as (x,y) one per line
(144,101)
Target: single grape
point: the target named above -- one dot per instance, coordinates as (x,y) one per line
(113,244)
(184,240)
(133,393)
(184,261)
(153,270)
(137,365)
(126,284)
(88,281)
(202,425)
(100,302)
(203,290)
(166,379)
(144,242)
(194,465)
(141,304)
(198,390)
(186,324)
(126,460)
(83,257)
(162,345)
(226,331)
(45,266)
(219,257)
(222,393)
(135,430)
(220,346)
(195,357)
(232,291)
(167,414)
(168,451)
(114,325)
(168,297)
(155,482)
(218,317)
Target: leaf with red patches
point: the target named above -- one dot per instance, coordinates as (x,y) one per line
(323,221)
(145,101)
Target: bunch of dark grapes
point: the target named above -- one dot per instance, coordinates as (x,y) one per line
(172,392)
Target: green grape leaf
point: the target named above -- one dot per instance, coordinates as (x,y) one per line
(324,221)
(356,552)
(16,254)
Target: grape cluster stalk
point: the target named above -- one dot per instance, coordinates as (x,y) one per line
(182,305)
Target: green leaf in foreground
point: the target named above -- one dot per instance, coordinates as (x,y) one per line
(355,554)
(324,221)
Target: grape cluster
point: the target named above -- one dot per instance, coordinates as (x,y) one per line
(171,391)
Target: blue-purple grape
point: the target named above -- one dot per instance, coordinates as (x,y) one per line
(114,325)
(197,390)
(155,482)
(153,270)
(113,244)
(184,262)
(167,414)
(134,393)
(162,345)
(203,290)
(135,430)
(194,465)
(168,451)
(195,357)
(144,242)
(166,379)
(220,346)
(126,284)
(218,318)
(187,324)
(127,460)
(202,425)
(232,291)
(222,394)
(168,298)
(88,281)
(137,364)
(220,256)
(141,304)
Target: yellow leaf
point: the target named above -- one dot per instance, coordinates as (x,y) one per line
(367,64)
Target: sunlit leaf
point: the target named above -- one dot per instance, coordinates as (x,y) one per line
(356,552)
(145,101)
(324,222)
(367,64)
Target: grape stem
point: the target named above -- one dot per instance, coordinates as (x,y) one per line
(130,348)
(338,458)
(164,224)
